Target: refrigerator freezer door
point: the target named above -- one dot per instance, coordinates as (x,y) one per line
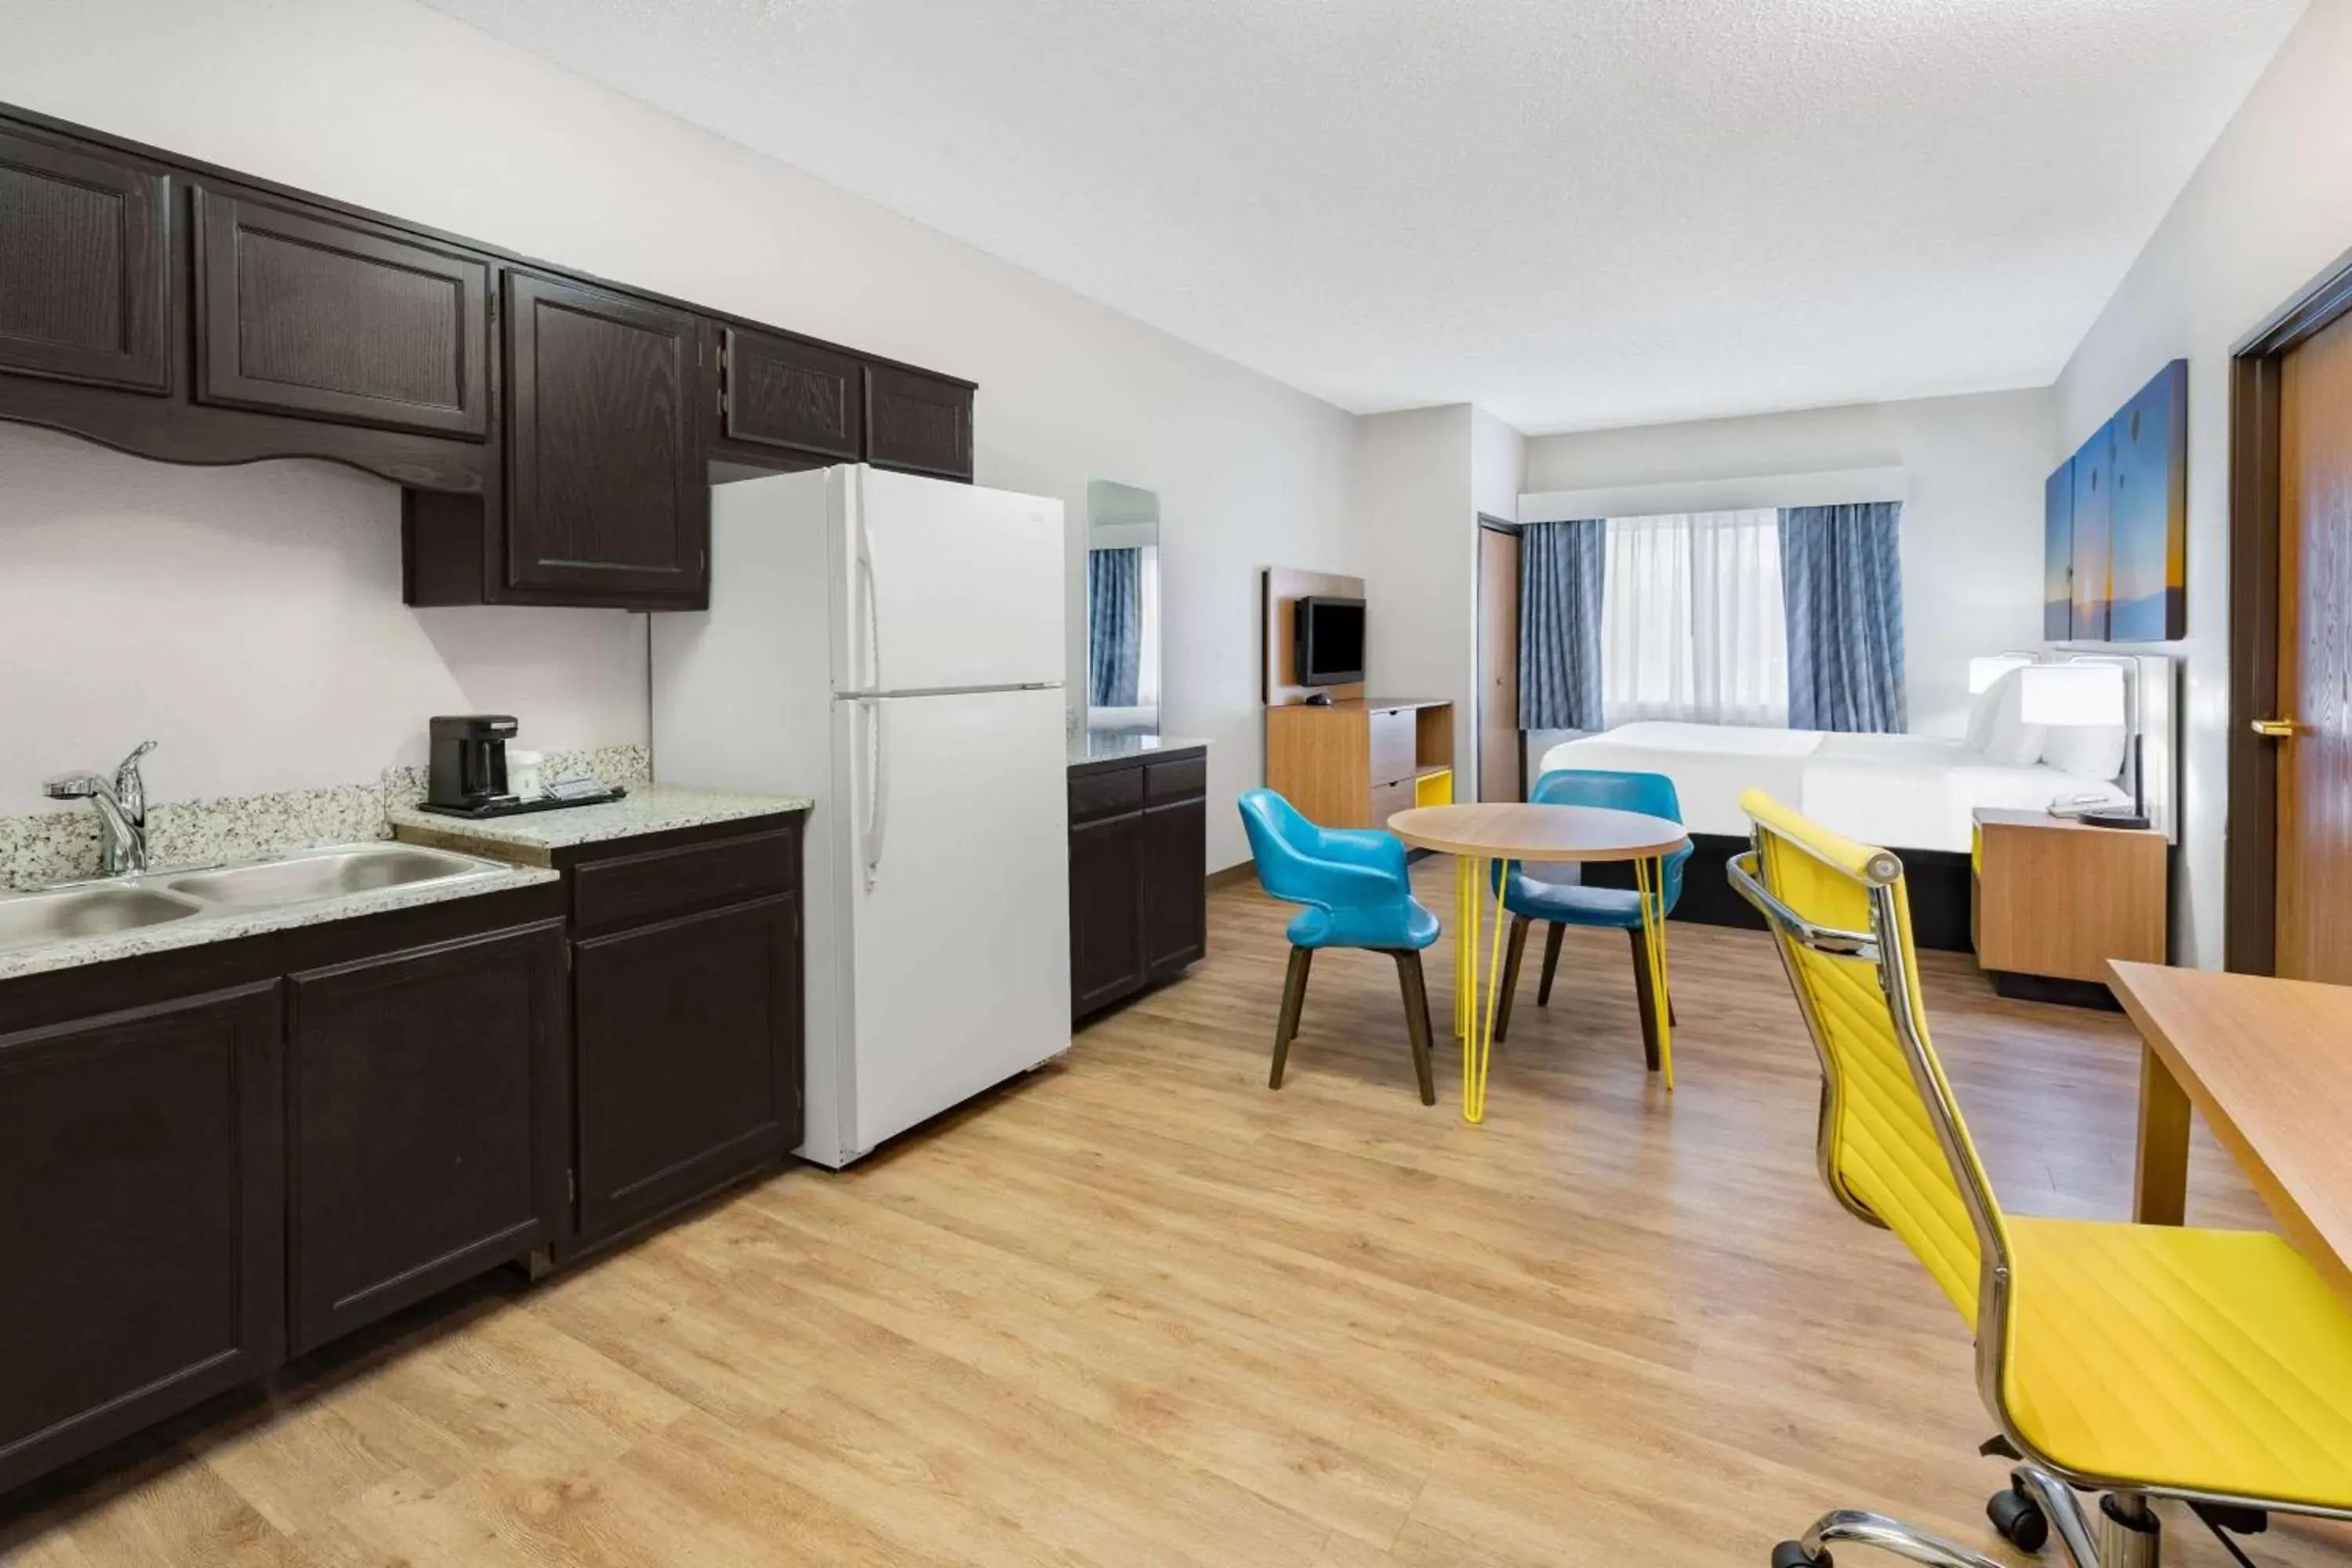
(949,586)
(956,839)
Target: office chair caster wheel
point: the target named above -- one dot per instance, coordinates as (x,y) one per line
(2019,1519)
(1792,1554)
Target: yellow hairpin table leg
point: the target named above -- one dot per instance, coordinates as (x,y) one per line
(1461,948)
(1650,884)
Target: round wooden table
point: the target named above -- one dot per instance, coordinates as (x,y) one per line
(1478,836)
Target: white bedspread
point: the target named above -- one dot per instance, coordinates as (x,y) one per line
(1906,792)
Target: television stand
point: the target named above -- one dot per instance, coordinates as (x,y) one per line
(1357,763)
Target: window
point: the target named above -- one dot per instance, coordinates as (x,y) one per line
(1692,621)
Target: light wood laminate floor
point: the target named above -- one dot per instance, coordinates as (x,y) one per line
(1138,1310)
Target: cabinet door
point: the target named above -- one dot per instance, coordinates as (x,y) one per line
(1106,912)
(688,1064)
(605,493)
(427,1122)
(142,1174)
(320,316)
(778,392)
(1175,887)
(85,266)
(919,423)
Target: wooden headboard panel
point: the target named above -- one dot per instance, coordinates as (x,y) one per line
(1277,618)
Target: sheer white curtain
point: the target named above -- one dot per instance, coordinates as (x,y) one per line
(1691,622)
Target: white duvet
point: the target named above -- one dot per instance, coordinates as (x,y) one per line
(1906,792)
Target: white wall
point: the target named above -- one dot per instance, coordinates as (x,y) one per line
(2269,209)
(1971,528)
(1415,516)
(249,620)
(386,104)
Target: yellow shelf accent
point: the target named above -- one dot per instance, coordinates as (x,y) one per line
(1433,788)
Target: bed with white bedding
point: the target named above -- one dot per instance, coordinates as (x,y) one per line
(1906,792)
(1916,794)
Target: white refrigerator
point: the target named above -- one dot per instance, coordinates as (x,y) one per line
(892,648)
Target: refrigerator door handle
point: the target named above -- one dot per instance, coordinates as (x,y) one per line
(869,647)
(877,790)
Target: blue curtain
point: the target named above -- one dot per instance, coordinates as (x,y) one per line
(1842,580)
(1115,626)
(1561,567)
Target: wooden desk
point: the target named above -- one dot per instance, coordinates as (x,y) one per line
(2269,1063)
(1479,837)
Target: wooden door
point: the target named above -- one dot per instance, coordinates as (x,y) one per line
(1106,912)
(85,266)
(427,1122)
(1498,665)
(687,1068)
(142,1175)
(782,393)
(2314,911)
(920,423)
(606,496)
(318,315)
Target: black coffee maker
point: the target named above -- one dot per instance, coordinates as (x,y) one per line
(468,774)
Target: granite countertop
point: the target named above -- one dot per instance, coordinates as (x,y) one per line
(227,925)
(1115,746)
(534,835)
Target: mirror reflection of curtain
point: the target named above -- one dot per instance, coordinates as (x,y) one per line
(1115,610)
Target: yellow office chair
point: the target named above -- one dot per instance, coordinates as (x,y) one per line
(2211,1366)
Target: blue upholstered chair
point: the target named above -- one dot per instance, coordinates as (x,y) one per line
(1353,885)
(1564,904)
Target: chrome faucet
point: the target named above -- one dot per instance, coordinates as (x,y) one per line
(121,812)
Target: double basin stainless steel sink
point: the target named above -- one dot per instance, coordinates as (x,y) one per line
(164,898)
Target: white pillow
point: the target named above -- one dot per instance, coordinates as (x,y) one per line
(2086,751)
(1997,729)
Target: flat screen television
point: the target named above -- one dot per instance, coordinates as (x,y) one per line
(1330,641)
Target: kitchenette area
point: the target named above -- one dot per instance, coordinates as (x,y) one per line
(338,997)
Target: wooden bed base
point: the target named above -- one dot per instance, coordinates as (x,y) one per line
(1940,881)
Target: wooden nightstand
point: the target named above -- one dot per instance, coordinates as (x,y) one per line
(2054,900)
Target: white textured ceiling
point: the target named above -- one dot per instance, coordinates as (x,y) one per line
(1576,213)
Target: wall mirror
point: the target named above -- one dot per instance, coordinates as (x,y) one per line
(1122,608)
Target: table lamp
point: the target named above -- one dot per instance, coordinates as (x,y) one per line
(2087,692)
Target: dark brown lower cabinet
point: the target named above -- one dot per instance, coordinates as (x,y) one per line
(142,1235)
(1106,912)
(687,1072)
(1175,902)
(427,1118)
(1139,844)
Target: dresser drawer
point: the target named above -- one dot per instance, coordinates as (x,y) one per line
(1393,744)
(630,888)
(1184,778)
(1388,799)
(1094,796)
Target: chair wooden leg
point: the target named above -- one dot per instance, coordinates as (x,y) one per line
(1551,963)
(1645,995)
(1293,996)
(1416,1020)
(1518,947)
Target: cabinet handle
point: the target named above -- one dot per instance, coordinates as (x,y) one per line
(2280,729)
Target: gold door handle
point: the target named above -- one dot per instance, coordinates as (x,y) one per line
(2280,729)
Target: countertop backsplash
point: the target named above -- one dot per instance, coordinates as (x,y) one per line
(47,847)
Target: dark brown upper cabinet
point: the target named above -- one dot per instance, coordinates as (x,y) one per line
(795,397)
(918,422)
(607,500)
(312,314)
(85,266)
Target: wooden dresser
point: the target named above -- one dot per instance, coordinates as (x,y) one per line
(1355,764)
